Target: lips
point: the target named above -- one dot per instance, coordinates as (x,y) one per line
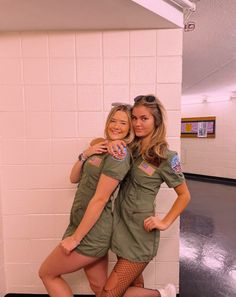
(115,132)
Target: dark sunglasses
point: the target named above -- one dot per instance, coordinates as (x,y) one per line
(148,99)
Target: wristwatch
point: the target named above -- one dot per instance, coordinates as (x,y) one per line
(82,157)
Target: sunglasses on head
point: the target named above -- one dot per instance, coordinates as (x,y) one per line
(116,104)
(148,99)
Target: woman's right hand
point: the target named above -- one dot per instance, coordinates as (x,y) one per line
(116,148)
(98,148)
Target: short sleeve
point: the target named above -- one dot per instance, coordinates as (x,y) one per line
(171,171)
(116,168)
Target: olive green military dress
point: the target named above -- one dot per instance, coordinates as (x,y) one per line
(136,202)
(97,242)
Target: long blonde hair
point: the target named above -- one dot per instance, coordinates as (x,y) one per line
(156,149)
(127,109)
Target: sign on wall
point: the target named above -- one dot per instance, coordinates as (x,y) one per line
(200,127)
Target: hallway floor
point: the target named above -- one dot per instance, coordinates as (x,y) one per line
(208,242)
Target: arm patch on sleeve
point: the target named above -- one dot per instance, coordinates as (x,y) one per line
(175,164)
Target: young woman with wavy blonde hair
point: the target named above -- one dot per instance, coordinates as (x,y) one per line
(137,228)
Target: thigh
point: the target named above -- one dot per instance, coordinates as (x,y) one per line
(97,272)
(58,262)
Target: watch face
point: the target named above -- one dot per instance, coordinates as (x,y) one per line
(82,157)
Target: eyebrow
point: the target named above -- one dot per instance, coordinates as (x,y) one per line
(123,121)
(142,115)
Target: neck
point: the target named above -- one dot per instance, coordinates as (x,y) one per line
(144,144)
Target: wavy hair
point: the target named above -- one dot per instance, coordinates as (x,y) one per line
(157,147)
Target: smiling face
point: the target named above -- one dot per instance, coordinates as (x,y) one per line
(143,121)
(118,126)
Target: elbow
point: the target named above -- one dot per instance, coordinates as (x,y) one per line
(74,180)
(100,202)
(187,198)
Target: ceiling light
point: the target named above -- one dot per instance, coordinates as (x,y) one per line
(185,4)
(233,95)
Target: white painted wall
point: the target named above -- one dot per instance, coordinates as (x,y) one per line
(213,157)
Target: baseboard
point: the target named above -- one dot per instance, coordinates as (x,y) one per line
(211,179)
(41,295)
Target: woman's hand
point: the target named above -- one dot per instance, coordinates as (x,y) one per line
(98,148)
(68,244)
(116,148)
(154,222)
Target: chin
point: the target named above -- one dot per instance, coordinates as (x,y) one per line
(115,137)
(139,134)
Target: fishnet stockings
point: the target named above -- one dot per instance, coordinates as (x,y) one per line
(122,276)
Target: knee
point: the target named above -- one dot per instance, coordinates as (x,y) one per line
(112,282)
(96,288)
(41,272)
(110,289)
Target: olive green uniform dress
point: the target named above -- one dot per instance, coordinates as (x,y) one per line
(136,202)
(97,242)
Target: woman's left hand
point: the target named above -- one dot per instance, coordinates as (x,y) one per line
(154,222)
(68,244)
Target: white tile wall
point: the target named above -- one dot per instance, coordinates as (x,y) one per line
(55,91)
(116,44)
(2,258)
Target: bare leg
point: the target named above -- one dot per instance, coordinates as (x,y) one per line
(123,274)
(97,274)
(141,292)
(58,263)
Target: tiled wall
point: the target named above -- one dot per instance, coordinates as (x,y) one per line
(2,274)
(214,157)
(55,92)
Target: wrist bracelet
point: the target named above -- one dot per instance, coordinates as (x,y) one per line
(82,157)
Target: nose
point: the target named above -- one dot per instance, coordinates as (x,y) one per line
(117,126)
(137,123)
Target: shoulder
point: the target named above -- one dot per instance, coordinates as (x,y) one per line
(97,140)
(170,154)
(172,160)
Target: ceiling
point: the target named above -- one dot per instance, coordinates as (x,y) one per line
(209,56)
(21,15)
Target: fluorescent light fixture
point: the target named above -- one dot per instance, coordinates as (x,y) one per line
(233,95)
(185,4)
(215,99)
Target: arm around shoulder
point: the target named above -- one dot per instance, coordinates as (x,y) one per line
(97,146)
